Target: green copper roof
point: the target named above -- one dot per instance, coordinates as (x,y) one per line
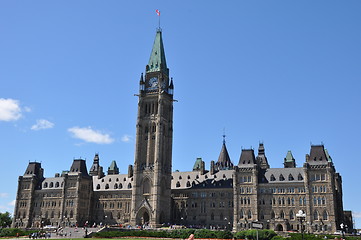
(157,60)
(113,166)
(289,157)
(197,164)
(328,156)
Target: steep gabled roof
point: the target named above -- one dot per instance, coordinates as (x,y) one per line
(318,155)
(247,158)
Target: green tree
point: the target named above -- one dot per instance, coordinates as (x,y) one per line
(5,219)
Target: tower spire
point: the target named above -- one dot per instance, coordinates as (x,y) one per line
(157,61)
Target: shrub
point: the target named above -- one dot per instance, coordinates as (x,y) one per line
(252,234)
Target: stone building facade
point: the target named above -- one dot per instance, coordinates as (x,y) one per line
(226,196)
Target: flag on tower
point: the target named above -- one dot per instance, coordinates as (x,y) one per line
(157,11)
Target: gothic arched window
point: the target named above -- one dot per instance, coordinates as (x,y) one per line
(315,215)
(325,215)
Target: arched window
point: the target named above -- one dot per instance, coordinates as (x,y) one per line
(115,186)
(129,185)
(177,184)
(262,215)
(241,214)
(98,186)
(319,202)
(120,186)
(323,201)
(146,186)
(52,214)
(282,214)
(71,215)
(325,215)
(107,186)
(188,184)
(45,185)
(292,201)
(288,201)
(315,215)
(273,215)
(292,216)
(304,201)
(249,214)
(57,184)
(51,185)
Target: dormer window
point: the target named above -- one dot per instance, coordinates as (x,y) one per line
(177,184)
(290,177)
(273,178)
(300,178)
(282,178)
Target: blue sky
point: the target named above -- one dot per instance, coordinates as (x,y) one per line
(286,73)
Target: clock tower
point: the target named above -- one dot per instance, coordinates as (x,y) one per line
(151,193)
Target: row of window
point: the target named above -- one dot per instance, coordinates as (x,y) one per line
(22,204)
(245,190)
(290,177)
(115,186)
(245,179)
(46,204)
(319,201)
(321,189)
(282,190)
(291,215)
(212,194)
(111,205)
(318,177)
(117,179)
(51,184)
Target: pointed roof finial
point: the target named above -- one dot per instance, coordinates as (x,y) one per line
(224,135)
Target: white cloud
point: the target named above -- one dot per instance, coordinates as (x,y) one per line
(126,138)
(4,195)
(9,109)
(12,203)
(89,135)
(42,124)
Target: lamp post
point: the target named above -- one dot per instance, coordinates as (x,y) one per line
(301,216)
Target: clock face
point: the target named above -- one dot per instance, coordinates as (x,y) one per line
(153,82)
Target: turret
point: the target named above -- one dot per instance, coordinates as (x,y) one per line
(289,161)
(261,158)
(96,169)
(113,168)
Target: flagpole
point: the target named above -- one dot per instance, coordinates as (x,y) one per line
(158,13)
